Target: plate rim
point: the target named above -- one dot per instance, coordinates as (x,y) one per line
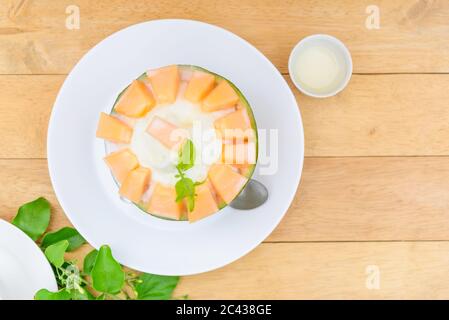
(45,270)
(299,128)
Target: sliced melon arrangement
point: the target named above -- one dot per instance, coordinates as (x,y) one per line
(162,115)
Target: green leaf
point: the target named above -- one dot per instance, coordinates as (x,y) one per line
(186,156)
(63,294)
(101,297)
(197,183)
(85,295)
(44,294)
(185,189)
(55,253)
(107,274)
(191,202)
(155,287)
(33,218)
(89,261)
(70,234)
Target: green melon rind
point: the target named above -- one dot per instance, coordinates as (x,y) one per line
(221,205)
(242,98)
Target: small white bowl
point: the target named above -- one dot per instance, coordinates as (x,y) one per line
(343,56)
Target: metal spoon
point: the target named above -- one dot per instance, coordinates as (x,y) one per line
(254,195)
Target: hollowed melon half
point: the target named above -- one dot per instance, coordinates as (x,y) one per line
(150,110)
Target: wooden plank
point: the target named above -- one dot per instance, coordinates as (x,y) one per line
(412,36)
(416,270)
(25,109)
(339,270)
(376,115)
(369,199)
(23,181)
(339,199)
(380,115)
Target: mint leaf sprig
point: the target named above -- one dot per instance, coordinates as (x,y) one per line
(185,187)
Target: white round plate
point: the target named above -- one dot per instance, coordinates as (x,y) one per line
(23,267)
(86,189)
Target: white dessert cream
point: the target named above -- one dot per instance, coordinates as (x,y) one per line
(196,125)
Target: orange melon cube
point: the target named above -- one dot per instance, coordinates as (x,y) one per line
(205,203)
(121,163)
(166,133)
(163,203)
(135,184)
(112,129)
(136,101)
(226,181)
(220,202)
(165,83)
(199,86)
(235,126)
(239,153)
(222,97)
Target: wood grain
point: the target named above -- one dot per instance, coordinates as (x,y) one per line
(415,270)
(25,109)
(374,186)
(368,198)
(339,270)
(23,181)
(380,115)
(377,115)
(340,199)
(412,36)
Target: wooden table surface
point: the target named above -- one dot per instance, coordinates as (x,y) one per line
(371,216)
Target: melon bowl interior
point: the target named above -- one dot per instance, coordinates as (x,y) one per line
(246,170)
